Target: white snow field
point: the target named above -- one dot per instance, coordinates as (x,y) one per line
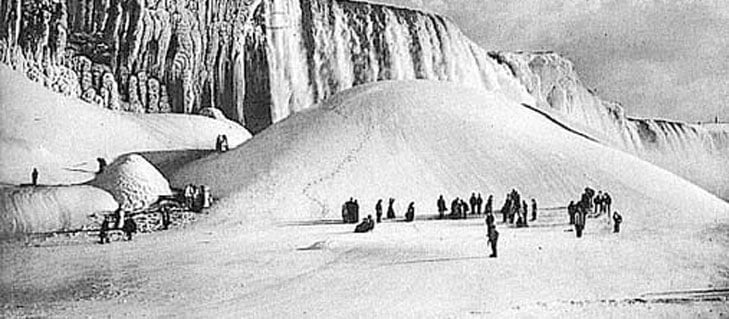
(29,209)
(271,248)
(62,137)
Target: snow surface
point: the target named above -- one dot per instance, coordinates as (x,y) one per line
(62,137)
(411,141)
(29,209)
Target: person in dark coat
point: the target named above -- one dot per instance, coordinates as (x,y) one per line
(390,210)
(489,208)
(473,202)
(493,239)
(598,203)
(580,216)
(490,219)
(455,208)
(506,209)
(165,217)
(378,210)
(571,208)
(130,227)
(410,213)
(464,209)
(607,200)
(441,207)
(479,204)
(366,225)
(515,210)
(525,213)
(34,177)
(534,209)
(617,220)
(104,231)
(355,211)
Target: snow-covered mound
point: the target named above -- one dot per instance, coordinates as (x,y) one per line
(416,140)
(134,182)
(62,137)
(29,209)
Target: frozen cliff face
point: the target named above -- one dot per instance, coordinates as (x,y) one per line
(696,152)
(319,48)
(257,61)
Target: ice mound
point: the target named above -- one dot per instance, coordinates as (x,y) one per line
(133,181)
(416,140)
(44,208)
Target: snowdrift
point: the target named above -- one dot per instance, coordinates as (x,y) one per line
(30,209)
(134,182)
(62,137)
(416,140)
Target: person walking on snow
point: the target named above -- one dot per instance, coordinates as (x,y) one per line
(378,210)
(534,209)
(493,239)
(617,220)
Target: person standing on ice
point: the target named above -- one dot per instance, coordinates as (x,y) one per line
(378,210)
(506,209)
(130,227)
(441,207)
(580,218)
(390,210)
(473,201)
(188,193)
(571,211)
(489,208)
(455,208)
(525,213)
(515,209)
(617,220)
(410,213)
(34,177)
(490,220)
(598,203)
(479,204)
(534,209)
(607,201)
(104,231)
(493,239)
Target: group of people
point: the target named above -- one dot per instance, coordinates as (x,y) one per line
(516,210)
(350,211)
(602,203)
(221,143)
(350,214)
(119,220)
(390,209)
(579,211)
(459,207)
(197,197)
